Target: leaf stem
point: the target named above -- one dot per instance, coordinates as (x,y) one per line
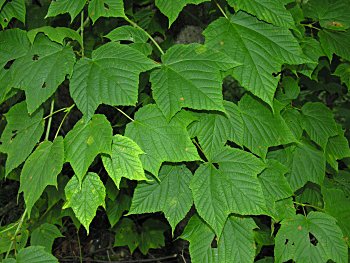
(55,112)
(150,37)
(16,232)
(82,32)
(307,205)
(126,115)
(50,120)
(68,110)
(221,10)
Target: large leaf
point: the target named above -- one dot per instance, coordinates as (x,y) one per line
(66,6)
(318,122)
(315,238)
(161,141)
(12,9)
(105,8)
(86,140)
(231,188)
(40,170)
(171,195)
(84,199)
(41,70)
(214,129)
(172,8)
(110,77)
(45,235)
(124,160)
(260,47)
(190,77)
(271,11)
(35,254)
(335,42)
(262,128)
(21,134)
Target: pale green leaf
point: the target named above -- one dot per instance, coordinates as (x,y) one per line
(65,6)
(40,170)
(231,188)
(318,122)
(21,134)
(343,72)
(85,141)
(171,195)
(337,148)
(172,8)
(190,77)
(262,128)
(41,70)
(161,141)
(335,42)
(44,236)
(124,160)
(293,240)
(110,77)
(85,197)
(105,8)
(35,254)
(261,48)
(12,9)
(271,11)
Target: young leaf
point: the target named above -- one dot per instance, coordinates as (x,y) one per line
(172,9)
(260,47)
(110,77)
(41,70)
(84,199)
(271,11)
(45,235)
(40,170)
(231,188)
(12,9)
(105,8)
(35,254)
(65,6)
(21,134)
(171,195)
(88,138)
(318,122)
(124,160)
(190,77)
(161,141)
(335,42)
(315,238)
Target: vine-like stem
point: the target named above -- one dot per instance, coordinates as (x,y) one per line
(221,10)
(82,32)
(150,37)
(126,115)
(50,120)
(68,110)
(16,233)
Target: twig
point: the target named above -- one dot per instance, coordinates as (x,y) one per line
(48,128)
(221,10)
(126,115)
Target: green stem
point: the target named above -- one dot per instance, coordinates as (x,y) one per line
(68,110)
(150,37)
(50,120)
(16,232)
(82,32)
(221,10)
(126,115)
(307,205)
(55,112)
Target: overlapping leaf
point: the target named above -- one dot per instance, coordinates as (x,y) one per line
(337,148)
(56,34)
(260,47)
(110,77)
(335,42)
(161,141)
(40,170)
(190,77)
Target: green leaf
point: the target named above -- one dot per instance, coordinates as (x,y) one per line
(190,77)
(293,119)
(335,42)
(293,239)
(44,236)
(262,128)
(214,129)
(110,77)
(313,51)
(34,254)
(56,34)
(331,14)
(343,72)
(65,6)
(85,141)
(337,148)
(271,11)
(115,209)
(124,160)
(8,237)
(261,48)
(127,235)
(165,141)
(318,122)
(41,70)
(105,8)
(85,198)
(231,188)
(21,134)
(40,170)
(171,195)
(12,9)
(172,9)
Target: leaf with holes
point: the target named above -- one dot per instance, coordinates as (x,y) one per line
(85,197)
(65,6)
(12,9)
(105,8)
